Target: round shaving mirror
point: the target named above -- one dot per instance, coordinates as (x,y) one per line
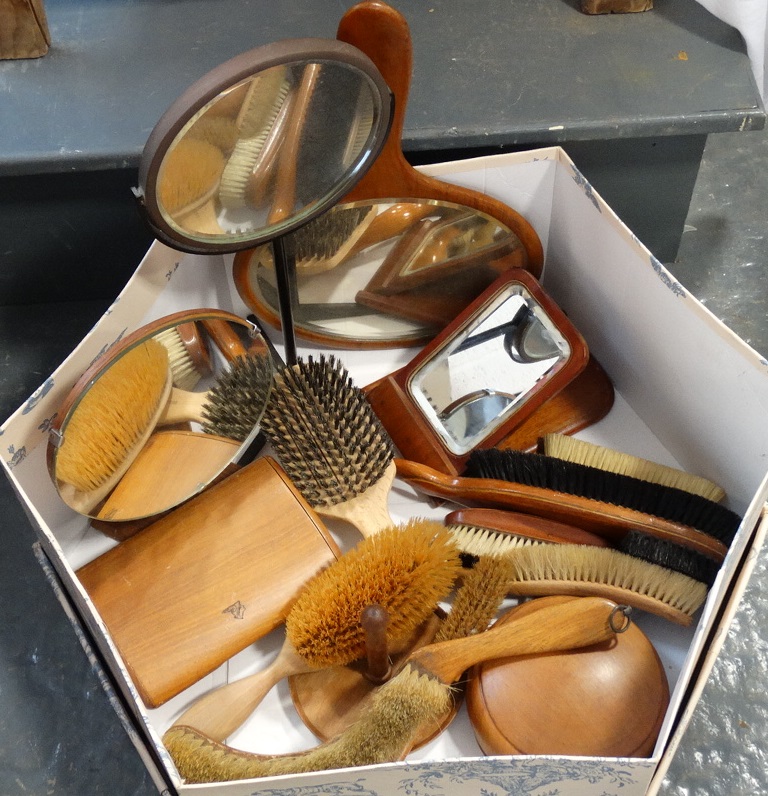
(260,146)
(151,422)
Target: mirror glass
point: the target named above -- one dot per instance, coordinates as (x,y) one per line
(485,371)
(392,271)
(263,144)
(160,415)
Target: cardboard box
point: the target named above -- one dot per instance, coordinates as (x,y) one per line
(690,393)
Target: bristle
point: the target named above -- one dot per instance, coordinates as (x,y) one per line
(478,598)
(322,237)
(190,172)
(382,734)
(112,415)
(579,565)
(235,403)
(563,446)
(260,111)
(325,432)
(475,541)
(670,555)
(183,368)
(217,130)
(407,570)
(548,472)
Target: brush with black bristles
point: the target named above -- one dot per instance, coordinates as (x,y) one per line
(612,522)
(658,500)
(331,443)
(421,692)
(571,449)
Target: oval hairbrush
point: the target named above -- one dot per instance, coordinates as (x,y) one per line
(407,570)
(331,443)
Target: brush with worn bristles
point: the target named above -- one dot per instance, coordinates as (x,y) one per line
(665,579)
(580,570)
(421,692)
(496,532)
(669,503)
(568,448)
(262,117)
(187,354)
(406,570)
(331,443)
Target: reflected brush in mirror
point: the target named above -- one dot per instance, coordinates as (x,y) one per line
(378,274)
(112,411)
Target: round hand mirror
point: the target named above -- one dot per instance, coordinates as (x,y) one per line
(260,146)
(152,421)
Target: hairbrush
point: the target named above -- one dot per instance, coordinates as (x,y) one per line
(644,572)
(404,570)
(610,521)
(562,446)
(331,443)
(667,502)
(134,394)
(420,693)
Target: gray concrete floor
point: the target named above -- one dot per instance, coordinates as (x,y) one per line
(58,734)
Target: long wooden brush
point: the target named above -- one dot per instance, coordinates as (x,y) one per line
(405,570)
(331,443)
(420,693)
(646,573)
(669,503)
(605,519)
(497,532)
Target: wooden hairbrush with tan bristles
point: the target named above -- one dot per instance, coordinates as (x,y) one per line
(331,443)
(421,692)
(405,570)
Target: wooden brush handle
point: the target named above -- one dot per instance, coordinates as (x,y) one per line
(223,710)
(611,522)
(225,337)
(391,222)
(578,623)
(183,407)
(514,522)
(368,511)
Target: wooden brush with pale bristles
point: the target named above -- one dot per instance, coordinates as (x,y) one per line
(420,693)
(406,570)
(331,443)
(647,573)
(568,448)
(188,354)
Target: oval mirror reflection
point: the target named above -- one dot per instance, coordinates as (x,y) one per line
(382,273)
(160,416)
(263,144)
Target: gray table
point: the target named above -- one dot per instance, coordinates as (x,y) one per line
(631,97)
